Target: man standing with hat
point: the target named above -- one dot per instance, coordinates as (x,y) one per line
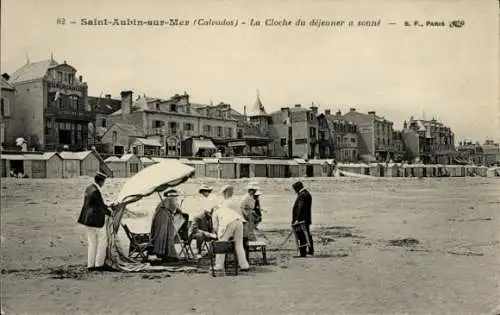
(247,205)
(202,227)
(302,213)
(93,216)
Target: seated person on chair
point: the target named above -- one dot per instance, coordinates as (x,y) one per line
(228,223)
(162,237)
(202,227)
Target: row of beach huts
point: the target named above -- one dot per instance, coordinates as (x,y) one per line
(87,163)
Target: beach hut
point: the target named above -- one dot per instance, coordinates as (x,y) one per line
(418,170)
(390,170)
(317,168)
(220,168)
(302,167)
(133,164)
(198,165)
(242,166)
(277,168)
(258,168)
(116,166)
(45,165)
(85,163)
(146,161)
(125,166)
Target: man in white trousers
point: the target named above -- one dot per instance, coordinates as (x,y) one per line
(228,223)
(93,216)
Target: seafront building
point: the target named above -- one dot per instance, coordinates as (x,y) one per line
(50,106)
(7,133)
(337,137)
(294,131)
(429,140)
(375,135)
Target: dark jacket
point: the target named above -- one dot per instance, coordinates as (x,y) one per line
(201,222)
(94,210)
(302,207)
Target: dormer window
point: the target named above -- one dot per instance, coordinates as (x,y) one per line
(173,107)
(157,106)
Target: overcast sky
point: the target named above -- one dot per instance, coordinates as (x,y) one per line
(449,74)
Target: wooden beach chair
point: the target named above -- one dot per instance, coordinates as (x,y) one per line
(138,244)
(223,247)
(182,238)
(258,246)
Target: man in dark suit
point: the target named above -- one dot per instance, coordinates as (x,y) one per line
(93,216)
(202,226)
(302,213)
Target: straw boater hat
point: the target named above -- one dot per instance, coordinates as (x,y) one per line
(171,193)
(258,193)
(252,186)
(101,175)
(205,187)
(226,187)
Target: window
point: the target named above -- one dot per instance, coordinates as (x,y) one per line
(229,132)
(300,141)
(157,105)
(59,76)
(74,102)
(339,139)
(158,124)
(283,142)
(103,122)
(353,140)
(207,130)
(114,137)
(188,126)
(5,107)
(71,79)
(65,77)
(219,131)
(173,127)
(173,107)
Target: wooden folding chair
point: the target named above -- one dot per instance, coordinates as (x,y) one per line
(183,240)
(257,246)
(138,248)
(223,247)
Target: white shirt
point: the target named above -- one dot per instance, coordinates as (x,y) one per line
(224,215)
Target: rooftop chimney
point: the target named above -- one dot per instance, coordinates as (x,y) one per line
(297,105)
(328,112)
(108,96)
(352,109)
(126,102)
(80,78)
(245,111)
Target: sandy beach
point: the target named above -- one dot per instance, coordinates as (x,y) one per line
(384,246)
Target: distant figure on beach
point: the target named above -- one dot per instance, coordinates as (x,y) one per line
(162,236)
(247,205)
(93,216)
(202,227)
(257,210)
(302,213)
(228,223)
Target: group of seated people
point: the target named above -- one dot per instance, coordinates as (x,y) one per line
(223,220)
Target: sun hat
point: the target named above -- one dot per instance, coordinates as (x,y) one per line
(258,193)
(205,187)
(253,186)
(226,187)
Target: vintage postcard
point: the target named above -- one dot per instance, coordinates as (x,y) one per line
(250,157)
